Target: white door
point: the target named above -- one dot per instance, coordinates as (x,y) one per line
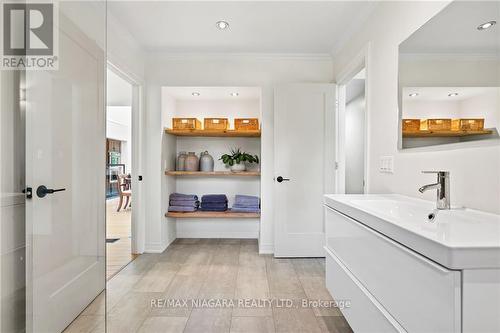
(304,166)
(65,150)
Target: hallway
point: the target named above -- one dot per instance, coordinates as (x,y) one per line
(213,269)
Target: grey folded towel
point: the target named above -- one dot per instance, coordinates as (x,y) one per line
(245,210)
(246,201)
(182,209)
(180,196)
(189,203)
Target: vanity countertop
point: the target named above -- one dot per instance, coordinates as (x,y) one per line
(457,239)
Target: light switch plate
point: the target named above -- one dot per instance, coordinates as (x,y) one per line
(386,164)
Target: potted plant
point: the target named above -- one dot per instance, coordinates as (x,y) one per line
(237,160)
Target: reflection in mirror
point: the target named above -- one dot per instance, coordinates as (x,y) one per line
(449,71)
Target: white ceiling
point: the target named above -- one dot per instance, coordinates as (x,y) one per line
(213,93)
(255,26)
(454,30)
(441,93)
(118,91)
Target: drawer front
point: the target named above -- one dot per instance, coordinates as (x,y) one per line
(364,314)
(421,295)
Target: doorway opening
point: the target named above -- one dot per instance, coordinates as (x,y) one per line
(119,190)
(355,113)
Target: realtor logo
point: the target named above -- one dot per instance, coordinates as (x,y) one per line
(28,36)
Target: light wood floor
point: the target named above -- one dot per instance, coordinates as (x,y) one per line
(213,269)
(118,224)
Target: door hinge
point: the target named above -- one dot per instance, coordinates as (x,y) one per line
(140,178)
(336,165)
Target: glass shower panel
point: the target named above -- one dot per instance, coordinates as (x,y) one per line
(65,163)
(12,202)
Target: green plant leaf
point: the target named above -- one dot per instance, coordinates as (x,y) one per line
(238,156)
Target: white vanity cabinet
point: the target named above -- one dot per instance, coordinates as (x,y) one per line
(393,288)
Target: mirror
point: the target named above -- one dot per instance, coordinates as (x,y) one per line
(449,71)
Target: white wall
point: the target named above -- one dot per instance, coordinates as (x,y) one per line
(167,232)
(219,108)
(354,145)
(265,71)
(119,127)
(475,176)
(486,106)
(422,109)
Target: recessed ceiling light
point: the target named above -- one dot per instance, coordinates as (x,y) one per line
(234,94)
(222,25)
(195,93)
(452,94)
(413,95)
(486,25)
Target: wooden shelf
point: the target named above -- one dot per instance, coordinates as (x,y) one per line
(215,215)
(444,134)
(213,174)
(211,133)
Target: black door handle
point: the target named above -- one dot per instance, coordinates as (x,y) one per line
(281,179)
(42,191)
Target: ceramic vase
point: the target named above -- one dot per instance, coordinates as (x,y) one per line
(238,167)
(206,162)
(181,161)
(192,162)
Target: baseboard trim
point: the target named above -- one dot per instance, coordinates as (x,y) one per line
(218,234)
(170,241)
(155,247)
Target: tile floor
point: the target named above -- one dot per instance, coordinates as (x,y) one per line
(213,269)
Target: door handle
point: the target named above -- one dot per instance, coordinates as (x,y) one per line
(281,179)
(42,191)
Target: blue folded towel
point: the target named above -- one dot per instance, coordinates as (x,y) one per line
(182,209)
(214,209)
(245,210)
(246,200)
(188,203)
(214,198)
(221,205)
(180,196)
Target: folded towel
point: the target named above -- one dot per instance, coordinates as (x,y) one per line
(246,206)
(214,198)
(188,203)
(246,200)
(245,210)
(213,209)
(180,196)
(221,205)
(182,209)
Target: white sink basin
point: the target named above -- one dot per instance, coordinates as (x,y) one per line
(457,238)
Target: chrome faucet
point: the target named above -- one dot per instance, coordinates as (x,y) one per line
(443,188)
